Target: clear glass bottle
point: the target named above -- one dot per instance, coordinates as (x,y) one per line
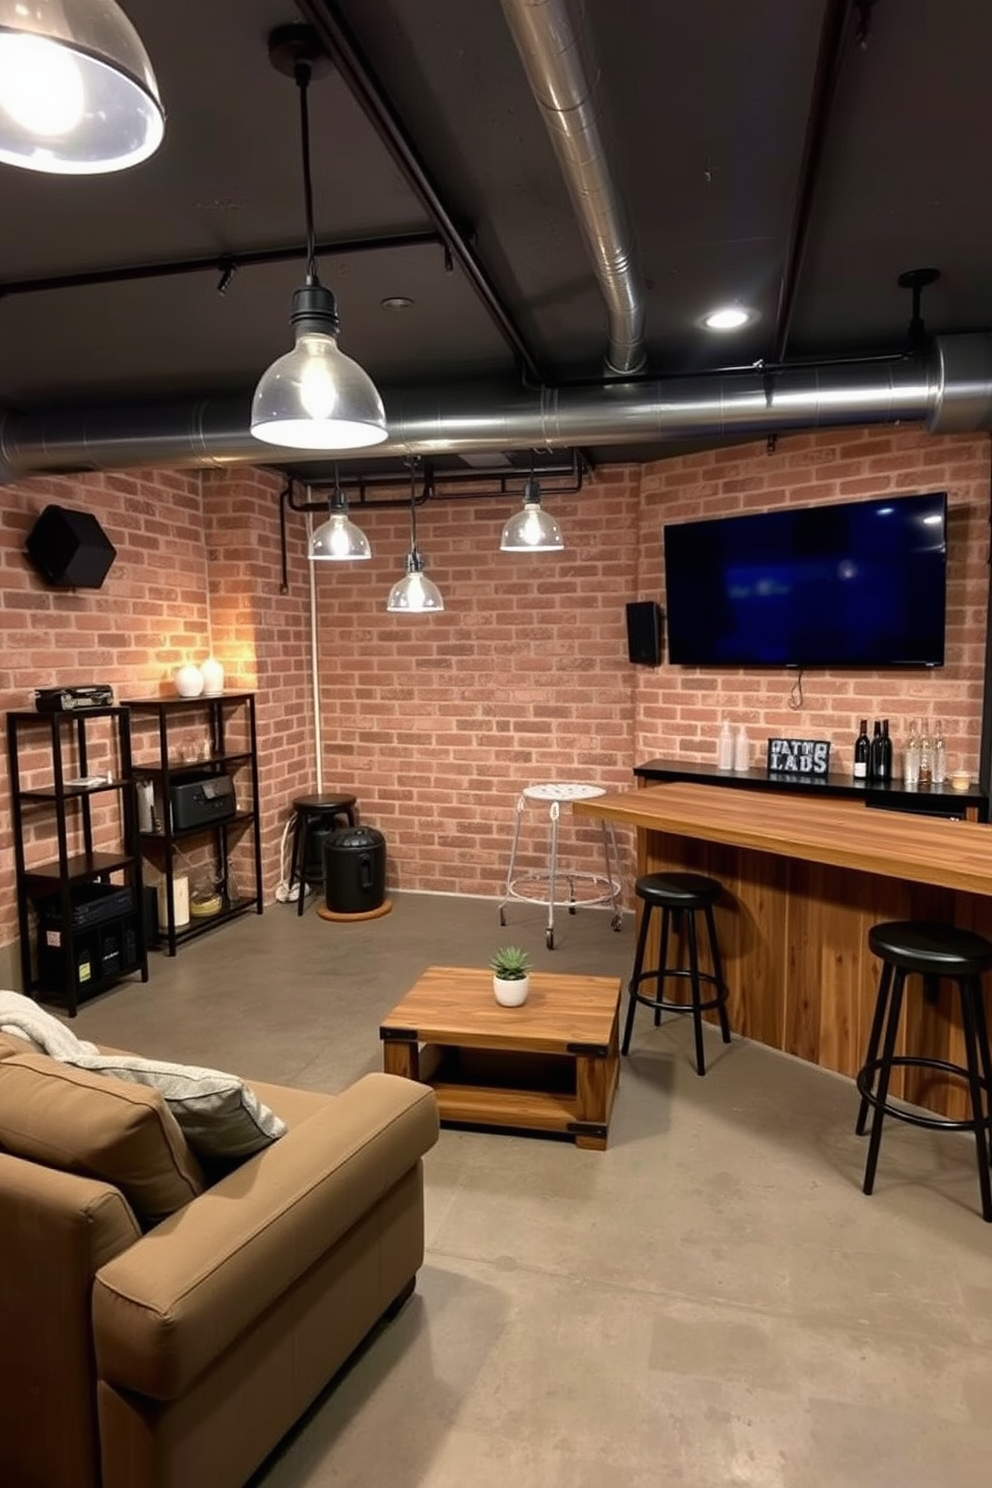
(911,757)
(742,749)
(725,747)
(939,752)
(926,754)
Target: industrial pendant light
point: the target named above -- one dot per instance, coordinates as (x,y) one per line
(314,397)
(77,93)
(531,530)
(414,594)
(339,539)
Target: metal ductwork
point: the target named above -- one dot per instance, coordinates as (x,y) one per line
(552,59)
(948,389)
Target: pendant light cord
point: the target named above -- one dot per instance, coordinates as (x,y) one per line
(413,506)
(302,75)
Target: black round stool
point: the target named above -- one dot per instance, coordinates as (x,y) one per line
(677,894)
(315,814)
(931,951)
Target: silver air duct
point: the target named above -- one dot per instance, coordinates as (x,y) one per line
(550,52)
(949,390)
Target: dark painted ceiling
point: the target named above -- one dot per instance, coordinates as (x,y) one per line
(706,109)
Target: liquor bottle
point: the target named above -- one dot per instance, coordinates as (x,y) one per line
(939,765)
(862,749)
(875,754)
(725,747)
(911,759)
(885,774)
(926,755)
(742,749)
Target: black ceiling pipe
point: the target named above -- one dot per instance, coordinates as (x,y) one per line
(224,264)
(833,36)
(354,68)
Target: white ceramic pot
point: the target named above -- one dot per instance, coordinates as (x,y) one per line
(511,993)
(212,672)
(189,681)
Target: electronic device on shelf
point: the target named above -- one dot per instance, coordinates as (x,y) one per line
(69,699)
(198,801)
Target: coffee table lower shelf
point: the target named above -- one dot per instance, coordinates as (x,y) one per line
(511,1090)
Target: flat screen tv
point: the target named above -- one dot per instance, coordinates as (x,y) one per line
(851,584)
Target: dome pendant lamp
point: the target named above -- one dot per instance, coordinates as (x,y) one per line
(531,530)
(339,539)
(414,594)
(314,397)
(77,93)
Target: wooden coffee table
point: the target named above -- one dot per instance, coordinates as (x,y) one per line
(549,1066)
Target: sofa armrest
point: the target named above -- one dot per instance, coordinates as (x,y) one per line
(177,1298)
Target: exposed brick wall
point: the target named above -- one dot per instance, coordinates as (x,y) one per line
(679,709)
(436,722)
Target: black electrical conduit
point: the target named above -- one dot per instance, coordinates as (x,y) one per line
(224,264)
(576,469)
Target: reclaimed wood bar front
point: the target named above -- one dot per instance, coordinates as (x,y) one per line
(804,881)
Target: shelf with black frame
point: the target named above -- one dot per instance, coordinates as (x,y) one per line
(212,786)
(84,905)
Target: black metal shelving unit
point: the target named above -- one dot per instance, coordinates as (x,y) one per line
(232,750)
(89,927)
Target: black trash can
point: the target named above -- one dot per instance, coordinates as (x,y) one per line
(354,870)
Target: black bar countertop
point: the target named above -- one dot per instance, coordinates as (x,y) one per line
(932,800)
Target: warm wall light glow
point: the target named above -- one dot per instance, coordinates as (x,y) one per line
(730,318)
(41,87)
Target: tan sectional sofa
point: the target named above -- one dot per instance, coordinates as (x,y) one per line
(148,1352)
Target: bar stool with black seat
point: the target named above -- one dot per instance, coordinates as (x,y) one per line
(931,951)
(679,896)
(315,816)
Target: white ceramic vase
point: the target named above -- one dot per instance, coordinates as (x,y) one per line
(189,681)
(212,672)
(511,993)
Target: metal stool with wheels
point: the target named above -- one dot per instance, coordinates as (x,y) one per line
(908,948)
(584,888)
(312,814)
(678,894)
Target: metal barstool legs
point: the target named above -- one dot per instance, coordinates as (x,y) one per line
(977,1070)
(695,894)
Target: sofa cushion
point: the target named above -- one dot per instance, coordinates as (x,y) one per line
(115,1130)
(11,1044)
(220,1116)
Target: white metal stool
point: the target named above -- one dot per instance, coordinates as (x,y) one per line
(584,888)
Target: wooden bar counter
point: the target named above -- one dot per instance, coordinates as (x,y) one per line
(804,881)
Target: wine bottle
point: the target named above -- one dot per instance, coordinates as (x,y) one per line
(862,749)
(875,754)
(885,773)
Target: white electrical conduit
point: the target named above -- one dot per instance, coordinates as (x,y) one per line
(314,671)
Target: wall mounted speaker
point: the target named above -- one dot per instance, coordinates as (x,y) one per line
(644,632)
(70,548)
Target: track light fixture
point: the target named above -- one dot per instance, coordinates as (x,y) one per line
(338,539)
(531,530)
(415,593)
(78,96)
(314,397)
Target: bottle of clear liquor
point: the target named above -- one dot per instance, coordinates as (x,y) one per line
(926,754)
(911,758)
(939,765)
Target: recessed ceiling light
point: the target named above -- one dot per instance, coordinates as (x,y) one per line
(396,302)
(730,318)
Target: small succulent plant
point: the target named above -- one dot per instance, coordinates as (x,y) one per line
(510,964)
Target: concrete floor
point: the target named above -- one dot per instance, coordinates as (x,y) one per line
(712,1301)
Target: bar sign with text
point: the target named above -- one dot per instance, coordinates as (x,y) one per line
(798,756)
